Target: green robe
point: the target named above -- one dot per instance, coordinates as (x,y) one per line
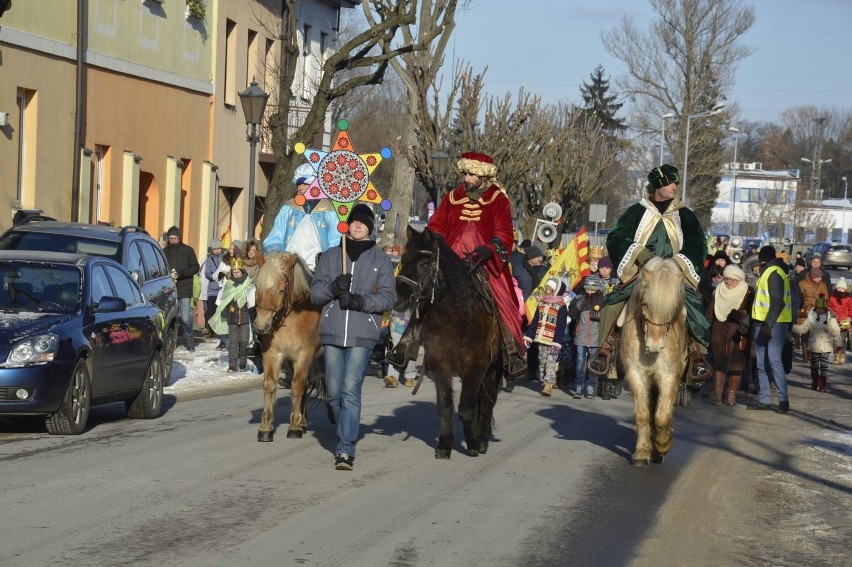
(624,245)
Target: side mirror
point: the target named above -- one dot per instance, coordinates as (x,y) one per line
(135,275)
(110,304)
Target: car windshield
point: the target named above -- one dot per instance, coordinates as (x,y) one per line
(47,242)
(841,248)
(36,286)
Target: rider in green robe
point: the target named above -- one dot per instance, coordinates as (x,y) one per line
(658,225)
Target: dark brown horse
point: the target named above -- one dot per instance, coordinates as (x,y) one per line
(288,324)
(460,333)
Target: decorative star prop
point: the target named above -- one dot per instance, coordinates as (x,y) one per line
(342,176)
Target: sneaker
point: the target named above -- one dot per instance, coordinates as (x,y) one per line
(344,462)
(784,407)
(576,394)
(590,396)
(221,346)
(759,407)
(232,369)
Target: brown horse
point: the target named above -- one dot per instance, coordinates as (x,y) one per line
(653,355)
(461,335)
(288,324)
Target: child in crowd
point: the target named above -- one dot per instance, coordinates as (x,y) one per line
(547,328)
(840,303)
(824,335)
(236,299)
(585,313)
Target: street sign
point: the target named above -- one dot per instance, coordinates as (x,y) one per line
(597,213)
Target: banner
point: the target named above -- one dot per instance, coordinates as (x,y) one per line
(571,263)
(226,239)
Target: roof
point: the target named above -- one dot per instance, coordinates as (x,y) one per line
(41,256)
(105,232)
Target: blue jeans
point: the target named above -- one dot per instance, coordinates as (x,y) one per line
(344,376)
(584,352)
(185,310)
(769,354)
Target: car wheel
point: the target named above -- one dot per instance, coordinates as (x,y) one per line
(169,357)
(149,401)
(72,415)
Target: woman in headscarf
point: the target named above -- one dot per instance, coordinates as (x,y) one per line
(729,343)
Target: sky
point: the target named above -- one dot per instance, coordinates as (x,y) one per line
(551,48)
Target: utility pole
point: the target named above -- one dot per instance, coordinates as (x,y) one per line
(817,169)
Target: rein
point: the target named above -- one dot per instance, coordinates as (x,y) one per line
(429,280)
(280,312)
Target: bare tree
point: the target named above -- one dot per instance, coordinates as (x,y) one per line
(685,64)
(368,53)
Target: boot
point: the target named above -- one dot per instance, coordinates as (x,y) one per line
(733,386)
(842,356)
(602,362)
(822,383)
(718,386)
(814,380)
(407,347)
(699,368)
(514,361)
(547,389)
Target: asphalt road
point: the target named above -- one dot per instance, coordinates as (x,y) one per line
(556,487)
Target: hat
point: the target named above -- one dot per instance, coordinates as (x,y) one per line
(363,214)
(239,244)
(215,243)
(801,262)
(841,285)
(661,176)
(533,252)
(524,243)
(597,252)
(605,262)
(766,254)
(481,165)
(816,255)
(173,231)
(236,264)
(815,273)
(552,282)
(821,301)
(734,271)
(304,174)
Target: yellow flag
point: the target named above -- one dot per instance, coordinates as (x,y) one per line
(226,238)
(571,263)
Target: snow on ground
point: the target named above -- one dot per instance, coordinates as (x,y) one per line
(205,369)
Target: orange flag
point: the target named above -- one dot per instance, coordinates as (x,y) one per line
(571,263)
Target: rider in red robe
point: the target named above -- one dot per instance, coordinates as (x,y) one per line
(475,219)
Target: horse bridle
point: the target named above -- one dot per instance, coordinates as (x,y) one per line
(647,321)
(428,281)
(278,313)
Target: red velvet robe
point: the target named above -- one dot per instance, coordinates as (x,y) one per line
(465,224)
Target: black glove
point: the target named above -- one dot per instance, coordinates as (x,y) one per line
(766,332)
(733,316)
(481,253)
(351,301)
(341,285)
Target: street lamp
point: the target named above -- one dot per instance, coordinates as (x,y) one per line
(845,202)
(716,109)
(816,167)
(665,117)
(736,132)
(253,100)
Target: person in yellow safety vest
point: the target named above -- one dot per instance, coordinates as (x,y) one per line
(772,315)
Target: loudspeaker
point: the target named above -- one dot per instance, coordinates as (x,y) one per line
(545,231)
(736,242)
(787,241)
(736,256)
(552,211)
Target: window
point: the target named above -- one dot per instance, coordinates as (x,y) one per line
(323,45)
(124,287)
(252,68)
(100,285)
(155,265)
(306,40)
(133,262)
(230,87)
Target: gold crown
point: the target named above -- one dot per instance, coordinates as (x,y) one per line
(236,264)
(597,252)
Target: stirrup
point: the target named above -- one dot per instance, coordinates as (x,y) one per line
(601,364)
(516,368)
(699,369)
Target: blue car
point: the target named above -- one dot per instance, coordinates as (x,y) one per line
(76,331)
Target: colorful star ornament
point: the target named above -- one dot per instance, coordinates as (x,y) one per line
(342,176)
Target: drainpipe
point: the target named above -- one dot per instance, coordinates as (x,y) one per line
(78,111)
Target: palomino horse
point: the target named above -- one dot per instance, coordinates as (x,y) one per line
(461,334)
(288,324)
(652,355)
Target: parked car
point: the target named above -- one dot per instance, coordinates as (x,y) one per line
(834,255)
(130,246)
(76,331)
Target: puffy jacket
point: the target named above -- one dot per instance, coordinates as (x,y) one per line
(372,278)
(840,305)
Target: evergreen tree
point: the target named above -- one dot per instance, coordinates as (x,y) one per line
(600,104)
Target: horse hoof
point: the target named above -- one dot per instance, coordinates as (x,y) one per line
(658,459)
(641,462)
(264,436)
(294,434)
(442,453)
(304,428)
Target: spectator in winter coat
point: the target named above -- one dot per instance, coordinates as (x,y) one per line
(210,272)
(352,306)
(183,266)
(233,315)
(547,329)
(585,314)
(823,337)
(840,303)
(533,270)
(812,286)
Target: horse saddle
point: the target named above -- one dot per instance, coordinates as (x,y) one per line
(483,289)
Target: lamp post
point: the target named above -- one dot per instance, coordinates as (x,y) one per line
(717,108)
(736,132)
(815,172)
(845,202)
(253,101)
(665,117)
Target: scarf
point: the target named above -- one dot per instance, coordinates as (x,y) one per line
(671,222)
(354,248)
(727,299)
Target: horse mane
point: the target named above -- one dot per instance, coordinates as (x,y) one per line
(660,288)
(283,264)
